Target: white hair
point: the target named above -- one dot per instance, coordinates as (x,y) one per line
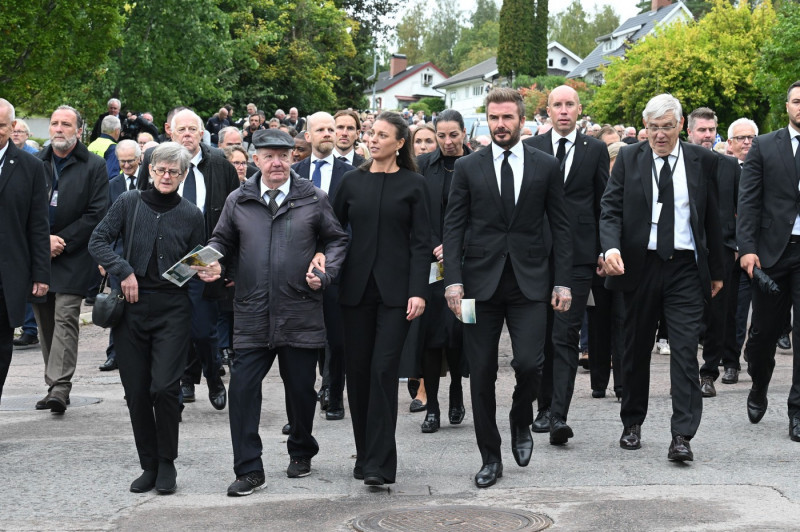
(114,100)
(189,112)
(5,103)
(742,122)
(109,124)
(127,144)
(660,105)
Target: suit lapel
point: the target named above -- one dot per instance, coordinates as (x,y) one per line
(490,178)
(691,165)
(784,144)
(336,176)
(9,165)
(645,162)
(528,170)
(578,153)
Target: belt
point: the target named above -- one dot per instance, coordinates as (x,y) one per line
(677,254)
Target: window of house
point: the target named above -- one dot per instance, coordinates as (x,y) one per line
(549,62)
(427,79)
(477,90)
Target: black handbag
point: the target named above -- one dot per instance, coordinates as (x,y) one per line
(108,308)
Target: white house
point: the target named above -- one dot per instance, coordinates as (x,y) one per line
(635,28)
(402,85)
(466,90)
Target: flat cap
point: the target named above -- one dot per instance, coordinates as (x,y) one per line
(272,138)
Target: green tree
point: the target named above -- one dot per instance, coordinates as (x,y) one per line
(576,30)
(699,8)
(779,63)
(707,63)
(514,52)
(45,43)
(538,65)
(411,33)
(479,41)
(442,33)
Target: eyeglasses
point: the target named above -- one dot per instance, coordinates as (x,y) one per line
(744,138)
(239,163)
(663,129)
(171,171)
(19,132)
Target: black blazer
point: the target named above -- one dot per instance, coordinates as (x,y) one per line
(431,166)
(627,212)
(477,236)
(390,227)
(728,175)
(303,169)
(82,203)
(358,160)
(768,198)
(24,230)
(583,190)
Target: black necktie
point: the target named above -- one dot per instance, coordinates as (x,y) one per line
(190,186)
(562,149)
(507,186)
(273,205)
(132,180)
(797,157)
(665,234)
(345,159)
(316,177)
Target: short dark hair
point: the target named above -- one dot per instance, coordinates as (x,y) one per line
(503,95)
(350,113)
(792,86)
(701,113)
(450,115)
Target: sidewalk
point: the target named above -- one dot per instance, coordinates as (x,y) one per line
(72,472)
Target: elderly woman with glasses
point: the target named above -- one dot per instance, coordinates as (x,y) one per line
(152,338)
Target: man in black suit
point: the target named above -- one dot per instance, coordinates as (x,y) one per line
(77,184)
(495,253)
(768,234)
(326,171)
(24,231)
(583,163)
(672,262)
(720,338)
(347,127)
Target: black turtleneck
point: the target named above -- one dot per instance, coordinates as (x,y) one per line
(160,203)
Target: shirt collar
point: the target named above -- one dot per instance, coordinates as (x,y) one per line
(571,136)
(674,153)
(328,159)
(516,149)
(793,132)
(4,149)
(197,158)
(283,188)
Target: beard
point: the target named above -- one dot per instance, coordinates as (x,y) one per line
(513,137)
(66,144)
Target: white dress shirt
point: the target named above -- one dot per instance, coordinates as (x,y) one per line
(516,160)
(200,183)
(3,155)
(325,171)
(684,239)
(569,149)
(349,156)
(284,191)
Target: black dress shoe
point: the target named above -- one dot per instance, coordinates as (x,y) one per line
(489,474)
(358,472)
(707,386)
(456,414)
(26,340)
(218,396)
(631,438)
(145,482)
(166,480)
(41,404)
(417,406)
(598,394)
(560,432)
(57,405)
(679,450)
(188,392)
(324,398)
(521,444)
(730,376)
(287,429)
(109,365)
(542,422)
(334,413)
(373,480)
(794,429)
(784,342)
(756,405)
(431,423)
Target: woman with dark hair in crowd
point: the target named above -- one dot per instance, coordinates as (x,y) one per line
(152,338)
(382,287)
(440,331)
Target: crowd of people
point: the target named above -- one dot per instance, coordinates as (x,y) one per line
(369,247)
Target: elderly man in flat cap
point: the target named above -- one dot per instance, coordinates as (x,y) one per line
(271,227)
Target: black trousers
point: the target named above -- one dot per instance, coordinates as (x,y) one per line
(432,370)
(298,369)
(671,288)
(152,341)
(566,339)
(720,342)
(6,342)
(767,325)
(203,354)
(374,335)
(606,338)
(525,320)
(333,369)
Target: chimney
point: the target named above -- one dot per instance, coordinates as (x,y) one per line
(398,64)
(655,5)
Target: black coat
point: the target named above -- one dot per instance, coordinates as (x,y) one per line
(728,175)
(583,190)
(627,211)
(82,203)
(24,230)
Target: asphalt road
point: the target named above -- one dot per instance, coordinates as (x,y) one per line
(72,471)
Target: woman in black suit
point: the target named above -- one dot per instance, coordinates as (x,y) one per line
(382,287)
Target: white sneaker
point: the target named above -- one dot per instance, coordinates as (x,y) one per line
(663,347)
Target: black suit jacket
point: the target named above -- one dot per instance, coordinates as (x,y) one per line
(627,212)
(24,230)
(478,238)
(768,198)
(303,169)
(82,203)
(728,175)
(583,190)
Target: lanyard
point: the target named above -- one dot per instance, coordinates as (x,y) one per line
(671,172)
(566,156)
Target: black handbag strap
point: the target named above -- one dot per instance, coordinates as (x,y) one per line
(129,234)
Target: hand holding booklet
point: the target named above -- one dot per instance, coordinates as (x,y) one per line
(182,270)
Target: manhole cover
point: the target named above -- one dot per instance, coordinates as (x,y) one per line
(18,403)
(451,518)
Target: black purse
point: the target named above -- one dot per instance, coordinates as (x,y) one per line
(108,308)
